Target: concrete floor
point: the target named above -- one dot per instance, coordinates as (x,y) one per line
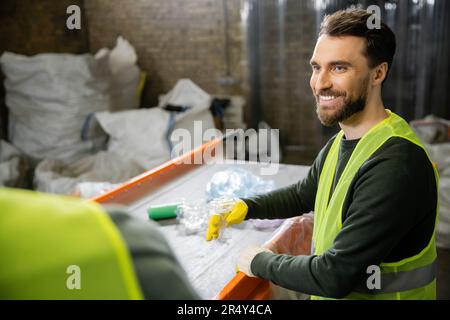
(443,277)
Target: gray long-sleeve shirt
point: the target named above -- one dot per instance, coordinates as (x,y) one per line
(159,273)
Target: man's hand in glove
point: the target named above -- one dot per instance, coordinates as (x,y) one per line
(235,215)
(246,257)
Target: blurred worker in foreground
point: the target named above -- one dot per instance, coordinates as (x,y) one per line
(373,188)
(55,247)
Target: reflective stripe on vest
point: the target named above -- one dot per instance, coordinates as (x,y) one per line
(55,247)
(399,279)
(404,280)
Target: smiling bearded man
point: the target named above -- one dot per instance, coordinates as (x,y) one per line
(373,188)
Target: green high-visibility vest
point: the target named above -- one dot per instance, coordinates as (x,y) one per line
(54,247)
(411,278)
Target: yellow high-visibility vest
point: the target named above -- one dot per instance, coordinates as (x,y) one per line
(411,278)
(55,247)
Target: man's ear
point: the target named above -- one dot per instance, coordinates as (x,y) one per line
(380,73)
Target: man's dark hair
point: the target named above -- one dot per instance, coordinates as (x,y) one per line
(380,43)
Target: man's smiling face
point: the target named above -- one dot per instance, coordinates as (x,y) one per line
(340,77)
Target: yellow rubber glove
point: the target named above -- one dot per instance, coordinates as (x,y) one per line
(236,215)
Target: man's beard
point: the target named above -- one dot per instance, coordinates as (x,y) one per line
(350,107)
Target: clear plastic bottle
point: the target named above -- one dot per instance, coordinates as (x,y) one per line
(192,217)
(220,207)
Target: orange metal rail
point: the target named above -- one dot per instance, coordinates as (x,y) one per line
(242,287)
(155,178)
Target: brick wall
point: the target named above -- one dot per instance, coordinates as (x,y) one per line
(176,39)
(287,41)
(173,39)
(30,27)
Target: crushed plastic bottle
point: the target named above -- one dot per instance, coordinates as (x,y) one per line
(221,206)
(237,183)
(222,192)
(234,183)
(192,217)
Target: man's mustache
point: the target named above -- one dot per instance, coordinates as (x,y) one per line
(330,93)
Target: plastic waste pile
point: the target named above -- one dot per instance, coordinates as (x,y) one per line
(434,132)
(222,191)
(192,216)
(237,183)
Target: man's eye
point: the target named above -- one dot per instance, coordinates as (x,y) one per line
(340,69)
(315,68)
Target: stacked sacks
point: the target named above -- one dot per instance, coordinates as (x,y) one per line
(49,97)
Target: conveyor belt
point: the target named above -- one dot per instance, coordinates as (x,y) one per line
(209,265)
